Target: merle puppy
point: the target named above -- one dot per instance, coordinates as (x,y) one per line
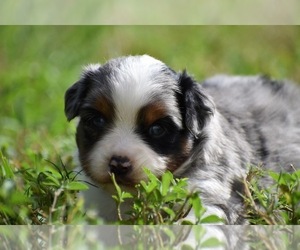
(136,112)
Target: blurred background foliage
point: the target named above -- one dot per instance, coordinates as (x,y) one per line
(38,64)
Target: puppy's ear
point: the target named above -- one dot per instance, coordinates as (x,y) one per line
(73,100)
(196,107)
(76,93)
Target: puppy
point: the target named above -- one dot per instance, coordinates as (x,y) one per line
(136,112)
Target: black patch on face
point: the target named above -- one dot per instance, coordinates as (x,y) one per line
(92,127)
(85,99)
(169,142)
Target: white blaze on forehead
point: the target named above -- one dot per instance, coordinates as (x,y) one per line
(135,83)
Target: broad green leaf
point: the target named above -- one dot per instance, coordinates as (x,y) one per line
(180,183)
(49,179)
(115,197)
(76,186)
(187,247)
(143,185)
(150,187)
(151,176)
(274,175)
(211,219)
(170,197)
(166,181)
(186,222)
(211,242)
(197,206)
(170,212)
(126,195)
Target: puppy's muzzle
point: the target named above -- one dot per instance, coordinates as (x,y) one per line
(120,165)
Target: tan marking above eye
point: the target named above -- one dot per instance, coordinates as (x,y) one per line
(105,107)
(151,113)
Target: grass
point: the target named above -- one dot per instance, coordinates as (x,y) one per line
(38,64)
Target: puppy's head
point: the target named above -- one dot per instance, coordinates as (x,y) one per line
(135,112)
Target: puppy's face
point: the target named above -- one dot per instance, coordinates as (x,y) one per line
(134,112)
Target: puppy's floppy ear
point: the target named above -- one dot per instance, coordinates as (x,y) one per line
(76,93)
(74,96)
(196,107)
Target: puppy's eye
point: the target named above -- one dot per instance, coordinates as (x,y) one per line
(157,131)
(97,121)
(94,120)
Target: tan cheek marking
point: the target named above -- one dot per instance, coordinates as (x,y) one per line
(105,107)
(175,161)
(151,113)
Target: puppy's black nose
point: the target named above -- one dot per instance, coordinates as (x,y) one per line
(120,165)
